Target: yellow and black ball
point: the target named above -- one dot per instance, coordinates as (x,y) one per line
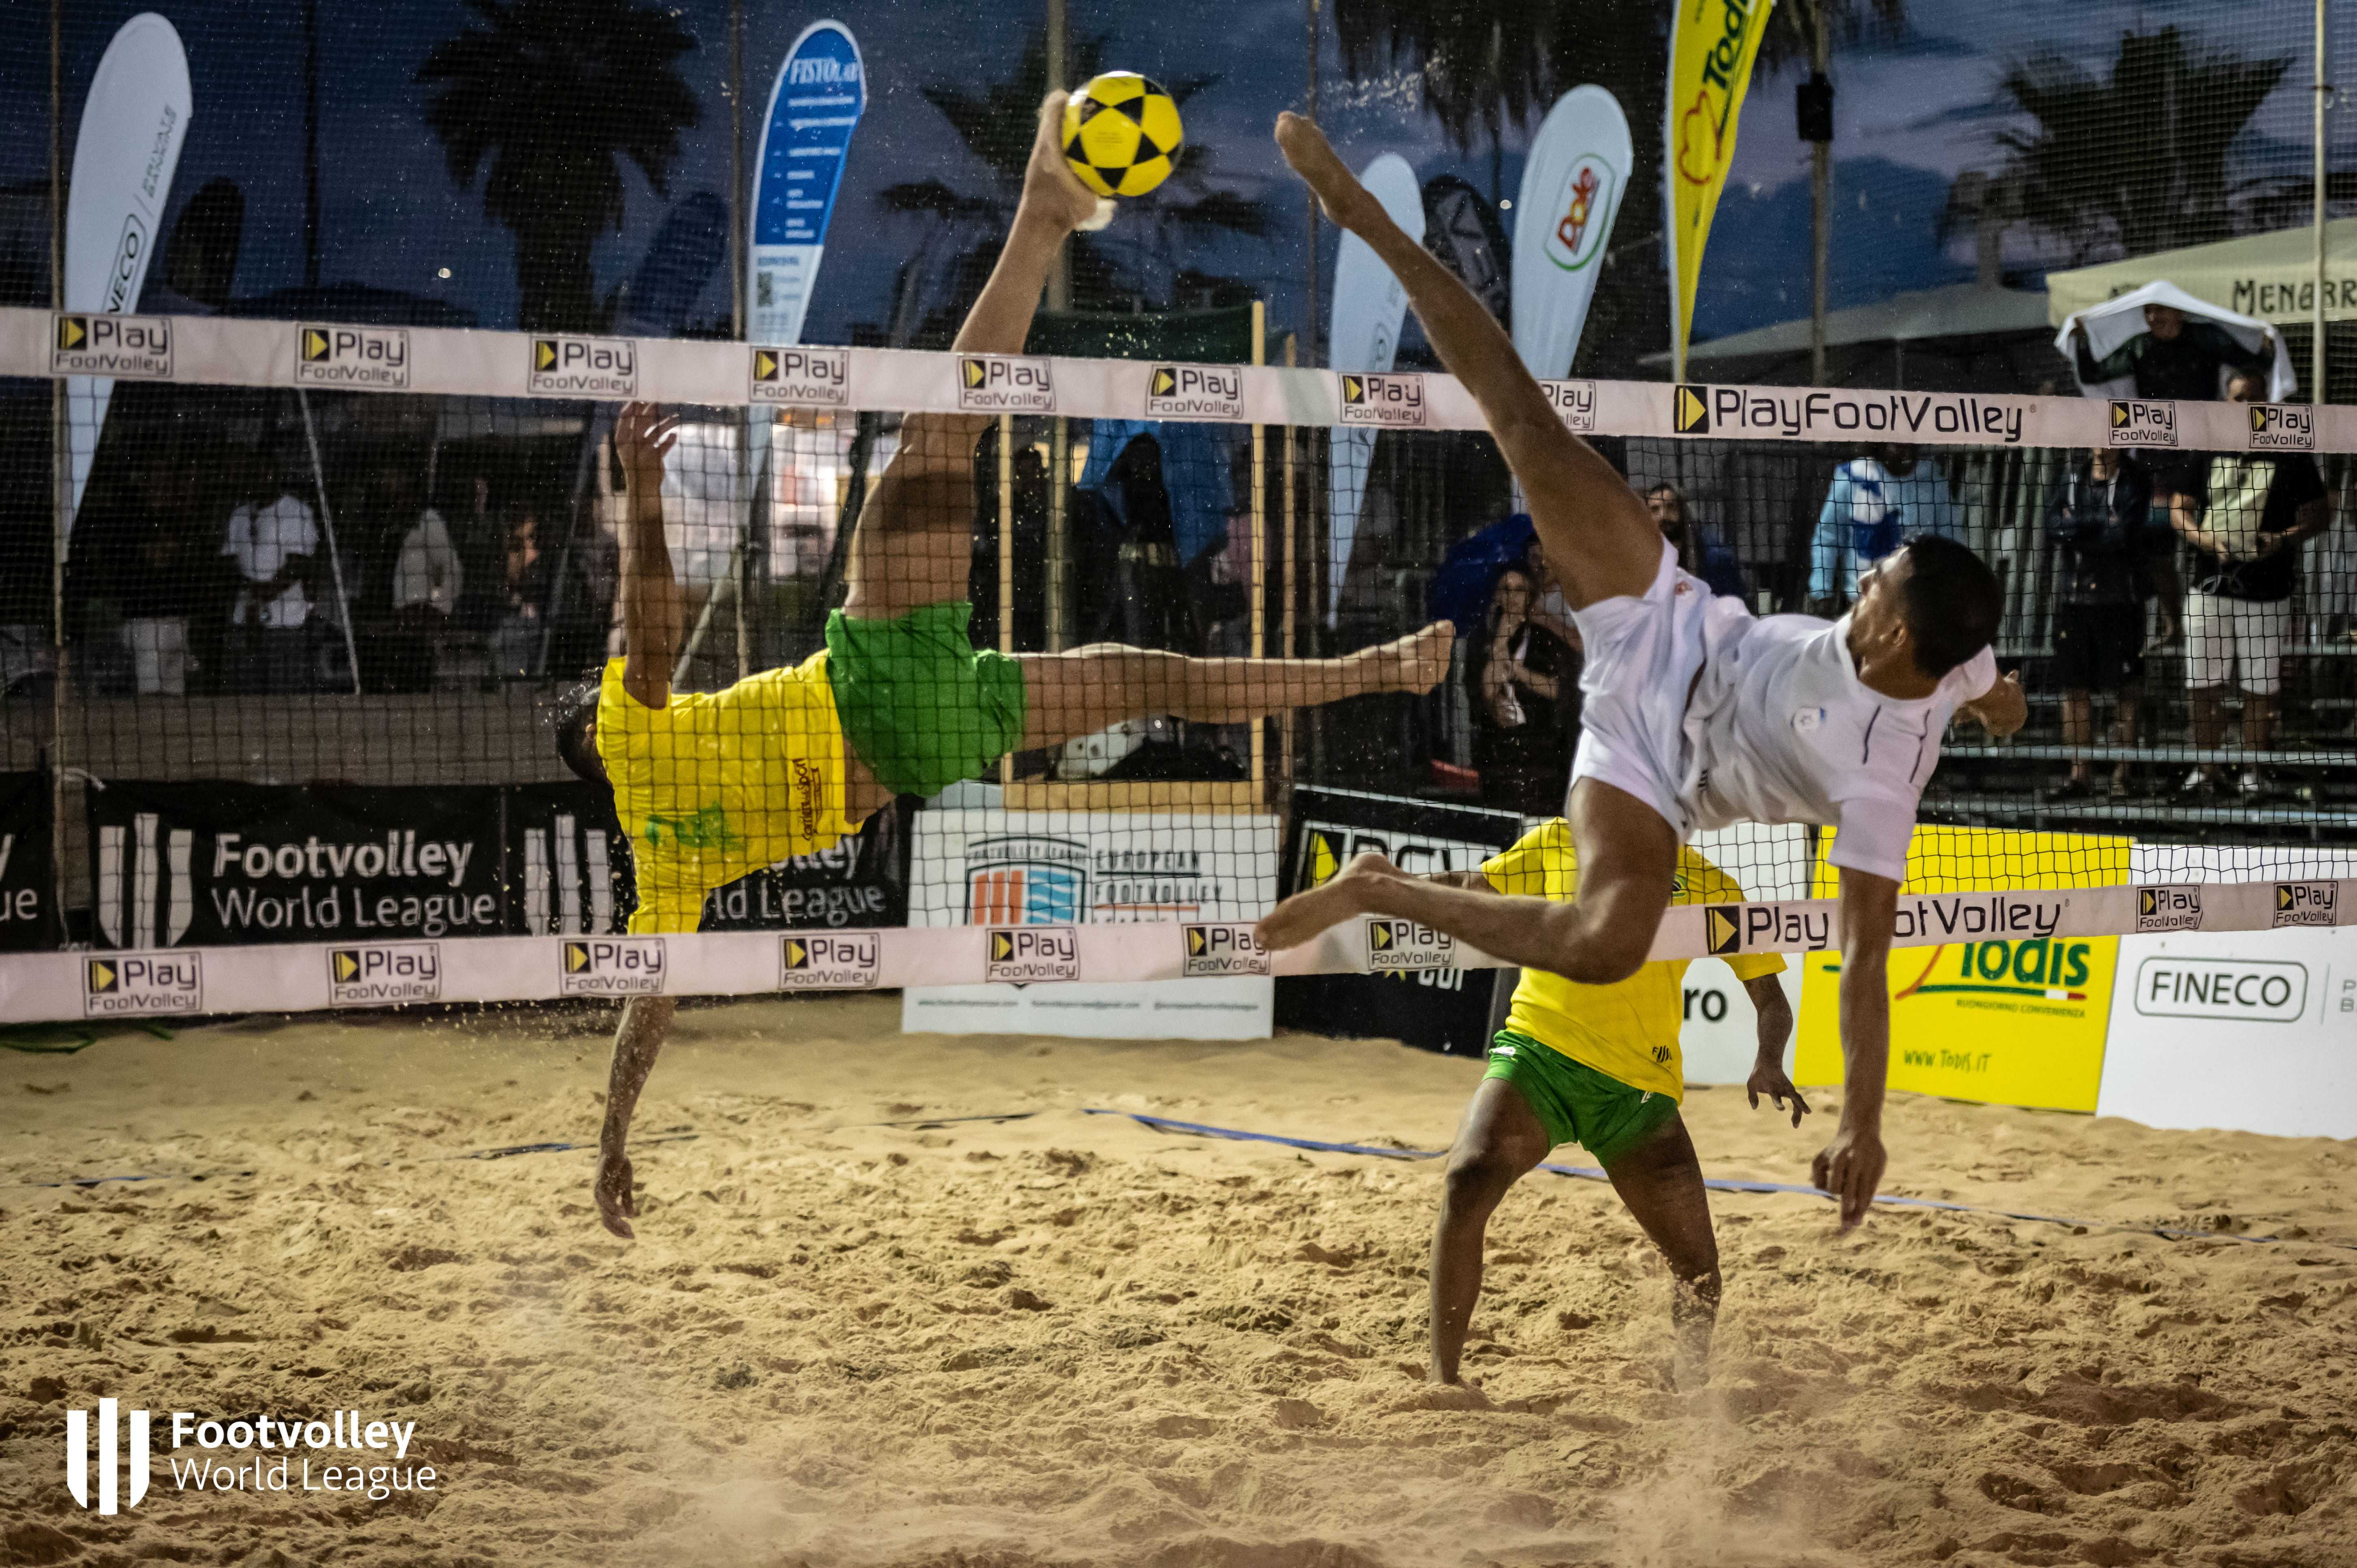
(1120,133)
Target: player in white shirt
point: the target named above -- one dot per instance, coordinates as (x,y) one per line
(1696,715)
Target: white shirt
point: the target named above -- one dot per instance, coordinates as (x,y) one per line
(428,572)
(263,541)
(1784,731)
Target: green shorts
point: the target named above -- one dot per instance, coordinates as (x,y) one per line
(922,707)
(1576,1103)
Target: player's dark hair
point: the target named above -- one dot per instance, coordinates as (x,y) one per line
(1950,601)
(570,719)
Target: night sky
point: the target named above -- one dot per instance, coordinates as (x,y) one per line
(1912,113)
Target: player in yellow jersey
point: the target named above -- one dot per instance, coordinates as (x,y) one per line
(1596,1066)
(710,786)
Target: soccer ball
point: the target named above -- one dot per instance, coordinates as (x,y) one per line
(1120,133)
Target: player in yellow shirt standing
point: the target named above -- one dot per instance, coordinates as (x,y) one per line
(710,786)
(1596,1066)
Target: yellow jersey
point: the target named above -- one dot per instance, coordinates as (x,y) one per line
(715,784)
(1628,1030)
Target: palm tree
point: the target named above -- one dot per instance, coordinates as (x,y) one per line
(551,95)
(1115,268)
(2135,161)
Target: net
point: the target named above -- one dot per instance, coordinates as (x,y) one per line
(337,598)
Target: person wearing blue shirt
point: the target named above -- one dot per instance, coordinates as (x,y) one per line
(1875,504)
(1700,550)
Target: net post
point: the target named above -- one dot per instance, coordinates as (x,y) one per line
(327,526)
(1006,560)
(1060,462)
(61,477)
(1286,626)
(1258,572)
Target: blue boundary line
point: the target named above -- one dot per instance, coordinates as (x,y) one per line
(1716,1183)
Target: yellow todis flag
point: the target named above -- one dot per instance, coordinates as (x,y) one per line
(1712,46)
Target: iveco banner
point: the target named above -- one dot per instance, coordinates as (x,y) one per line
(1572,186)
(814,108)
(1369,308)
(124,153)
(1712,46)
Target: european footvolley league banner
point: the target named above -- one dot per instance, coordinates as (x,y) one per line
(814,106)
(196,350)
(1362,340)
(1037,883)
(125,150)
(2011,1018)
(1712,46)
(1419,993)
(1572,186)
(28,886)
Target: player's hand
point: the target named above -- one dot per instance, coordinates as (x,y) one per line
(1313,157)
(1768,1078)
(2270,544)
(1415,663)
(1850,1168)
(1050,187)
(2002,709)
(615,1205)
(644,434)
(1304,915)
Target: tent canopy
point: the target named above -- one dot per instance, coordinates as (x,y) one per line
(2269,276)
(1960,310)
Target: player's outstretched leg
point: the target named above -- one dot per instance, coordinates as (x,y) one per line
(1085,690)
(1598,534)
(1661,1181)
(1500,1141)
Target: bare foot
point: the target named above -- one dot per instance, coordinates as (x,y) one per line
(1304,915)
(1438,1395)
(1313,157)
(1050,189)
(1413,663)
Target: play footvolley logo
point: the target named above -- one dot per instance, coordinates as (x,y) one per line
(1005,383)
(1225,948)
(1195,391)
(1725,931)
(2142,422)
(2307,904)
(1575,404)
(2248,991)
(802,377)
(613,966)
(1020,955)
(584,367)
(384,974)
(110,1436)
(372,356)
(830,961)
(1779,414)
(1397,946)
(1690,410)
(1802,925)
(2282,427)
(2169,907)
(134,345)
(134,985)
(1393,401)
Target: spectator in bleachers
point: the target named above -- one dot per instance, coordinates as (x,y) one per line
(2115,556)
(1875,504)
(425,580)
(1525,679)
(516,645)
(2246,526)
(2175,357)
(275,541)
(1700,549)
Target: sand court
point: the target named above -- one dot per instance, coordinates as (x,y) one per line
(856,1331)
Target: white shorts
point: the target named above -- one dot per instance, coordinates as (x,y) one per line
(2235,642)
(1641,656)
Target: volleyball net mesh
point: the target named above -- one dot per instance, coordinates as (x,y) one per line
(290,634)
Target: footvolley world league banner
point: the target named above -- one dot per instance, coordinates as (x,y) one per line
(215,865)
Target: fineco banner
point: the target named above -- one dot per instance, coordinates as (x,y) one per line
(814,106)
(1362,340)
(199,350)
(125,151)
(1572,186)
(1712,46)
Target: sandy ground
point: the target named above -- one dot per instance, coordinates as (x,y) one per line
(1068,1339)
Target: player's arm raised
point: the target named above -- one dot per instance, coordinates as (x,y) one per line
(1851,1166)
(652,612)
